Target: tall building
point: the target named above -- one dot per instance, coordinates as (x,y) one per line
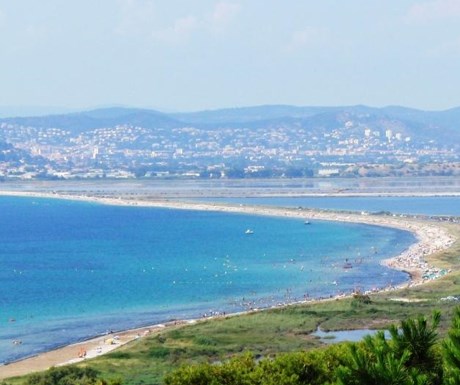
(389,135)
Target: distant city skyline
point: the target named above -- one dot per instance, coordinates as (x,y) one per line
(208,54)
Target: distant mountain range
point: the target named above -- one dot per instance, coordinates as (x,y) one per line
(443,125)
(105,117)
(437,123)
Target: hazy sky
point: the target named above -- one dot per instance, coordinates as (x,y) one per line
(201,54)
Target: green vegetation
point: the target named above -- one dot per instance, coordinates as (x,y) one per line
(313,367)
(410,357)
(68,375)
(282,338)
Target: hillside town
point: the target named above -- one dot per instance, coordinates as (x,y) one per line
(348,148)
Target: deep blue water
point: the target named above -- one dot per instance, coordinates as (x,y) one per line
(72,270)
(435,205)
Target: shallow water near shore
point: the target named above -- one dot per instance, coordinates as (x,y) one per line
(346,335)
(72,270)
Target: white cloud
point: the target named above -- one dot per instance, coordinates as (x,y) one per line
(224,13)
(434,10)
(137,17)
(141,18)
(307,37)
(180,31)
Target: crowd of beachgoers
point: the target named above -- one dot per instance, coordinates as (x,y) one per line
(432,240)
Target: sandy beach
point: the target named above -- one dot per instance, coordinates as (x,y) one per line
(431,239)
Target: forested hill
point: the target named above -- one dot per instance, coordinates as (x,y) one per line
(439,122)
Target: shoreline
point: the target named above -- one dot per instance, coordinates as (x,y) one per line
(430,239)
(249,193)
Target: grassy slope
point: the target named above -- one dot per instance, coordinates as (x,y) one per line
(272,331)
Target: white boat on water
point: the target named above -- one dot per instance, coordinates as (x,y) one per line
(249,231)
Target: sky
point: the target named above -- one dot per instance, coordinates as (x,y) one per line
(188,55)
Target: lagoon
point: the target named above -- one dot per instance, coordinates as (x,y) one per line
(415,205)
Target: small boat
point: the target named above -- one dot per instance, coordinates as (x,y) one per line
(347,265)
(249,231)
(307,223)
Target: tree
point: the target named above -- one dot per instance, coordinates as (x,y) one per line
(409,357)
(235,173)
(376,363)
(451,350)
(419,339)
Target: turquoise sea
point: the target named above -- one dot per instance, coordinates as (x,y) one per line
(72,270)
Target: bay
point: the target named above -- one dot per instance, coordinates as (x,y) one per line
(72,270)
